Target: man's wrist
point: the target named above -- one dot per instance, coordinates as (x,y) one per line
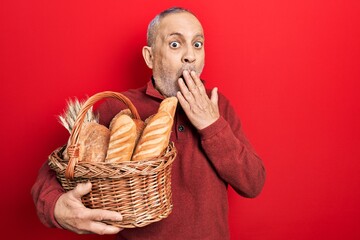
(213,128)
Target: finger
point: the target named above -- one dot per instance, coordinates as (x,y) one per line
(183,87)
(96,218)
(214,96)
(189,81)
(186,94)
(82,189)
(194,94)
(103,228)
(199,84)
(103,215)
(184,104)
(78,231)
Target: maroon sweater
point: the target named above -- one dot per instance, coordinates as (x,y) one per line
(207,161)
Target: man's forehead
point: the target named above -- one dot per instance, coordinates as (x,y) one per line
(180,24)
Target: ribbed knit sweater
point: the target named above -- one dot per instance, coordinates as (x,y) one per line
(207,162)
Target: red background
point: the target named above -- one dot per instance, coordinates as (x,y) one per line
(290,68)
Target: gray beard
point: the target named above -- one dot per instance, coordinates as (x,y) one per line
(168,90)
(170,86)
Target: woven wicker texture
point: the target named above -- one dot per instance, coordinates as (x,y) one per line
(139,190)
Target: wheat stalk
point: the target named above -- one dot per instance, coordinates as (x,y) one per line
(68,118)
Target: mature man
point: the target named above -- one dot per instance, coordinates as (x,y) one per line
(212,149)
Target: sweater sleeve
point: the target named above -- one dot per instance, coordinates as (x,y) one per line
(45,192)
(231,154)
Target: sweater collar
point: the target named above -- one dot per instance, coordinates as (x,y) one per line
(151,91)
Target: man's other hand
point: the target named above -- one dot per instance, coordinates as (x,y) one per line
(72,215)
(201,110)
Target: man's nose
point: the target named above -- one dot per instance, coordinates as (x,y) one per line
(189,55)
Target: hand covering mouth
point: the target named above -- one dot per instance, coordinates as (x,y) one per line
(182,77)
(189,68)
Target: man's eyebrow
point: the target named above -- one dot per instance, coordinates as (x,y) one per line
(199,35)
(181,35)
(175,34)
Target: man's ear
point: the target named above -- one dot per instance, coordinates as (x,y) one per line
(148,56)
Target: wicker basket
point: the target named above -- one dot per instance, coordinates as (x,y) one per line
(140,191)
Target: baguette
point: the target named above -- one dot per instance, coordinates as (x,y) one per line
(123,137)
(140,125)
(155,137)
(156,134)
(169,105)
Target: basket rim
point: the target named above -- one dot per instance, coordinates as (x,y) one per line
(90,170)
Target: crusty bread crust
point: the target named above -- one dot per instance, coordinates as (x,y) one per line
(93,142)
(122,138)
(156,135)
(127,138)
(169,105)
(154,138)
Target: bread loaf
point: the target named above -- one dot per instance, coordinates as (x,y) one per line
(156,135)
(154,138)
(123,137)
(93,142)
(138,123)
(169,105)
(127,138)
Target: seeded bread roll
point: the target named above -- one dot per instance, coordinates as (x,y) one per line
(93,143)
(94,140)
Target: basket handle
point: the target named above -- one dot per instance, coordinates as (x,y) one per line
(73,148)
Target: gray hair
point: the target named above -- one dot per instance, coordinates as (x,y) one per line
(154,24)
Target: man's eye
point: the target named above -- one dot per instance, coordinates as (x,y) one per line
(174,44)
(198,44)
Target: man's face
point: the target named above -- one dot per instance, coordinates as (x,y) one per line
(179,46)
